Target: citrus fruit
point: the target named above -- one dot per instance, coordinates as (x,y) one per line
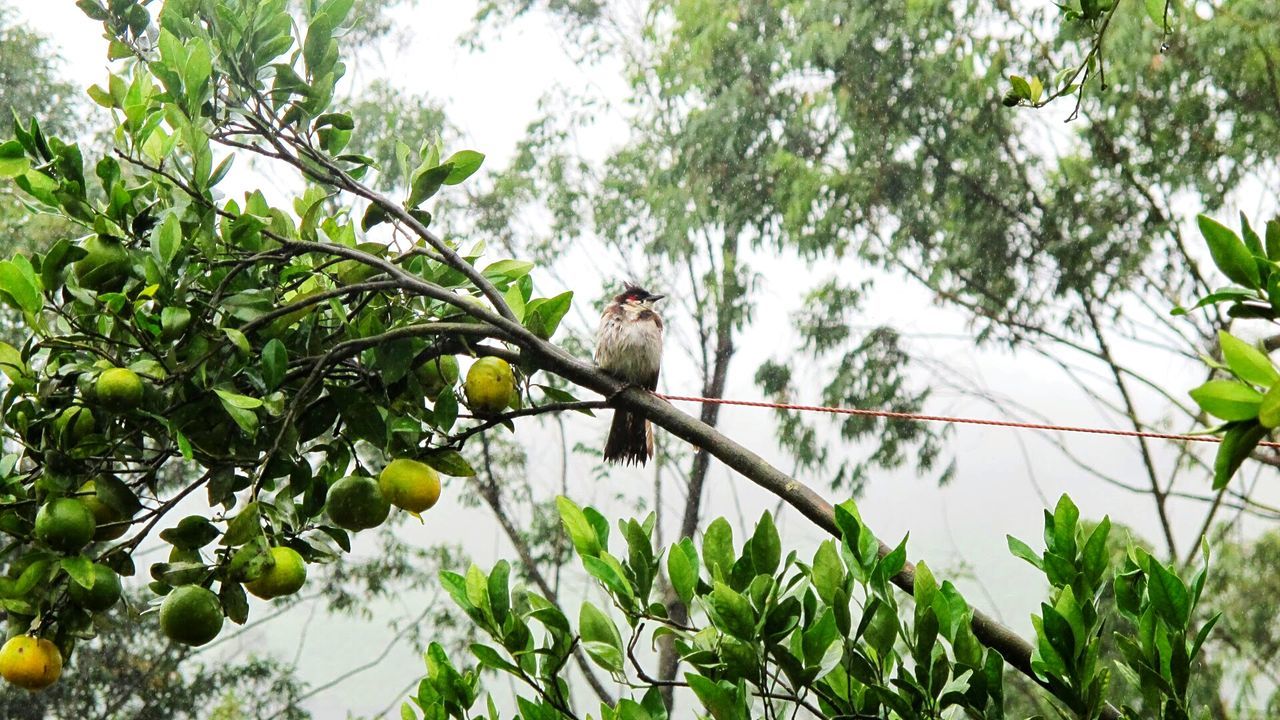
(104,593)
(30,662)
(65,524)
(356,503)
(284,576)
(410,485)
(106,267)
(72,425)
(119,389)
(111,502)
(191,615)
(489,385)
(437,373)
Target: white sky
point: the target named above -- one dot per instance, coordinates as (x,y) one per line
(492,95)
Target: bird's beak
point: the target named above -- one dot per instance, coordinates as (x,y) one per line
(655,298)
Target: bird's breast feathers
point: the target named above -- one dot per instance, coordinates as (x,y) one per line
(629,343)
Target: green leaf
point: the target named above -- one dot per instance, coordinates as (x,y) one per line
(1021,87)
(542,316)
(491,658)
(827,571)
(193,531)
(925,587)
(235,604)
(1228,399)
(682,568)
(1095,555)
(1024,551)
(80,568)
(1269,408)
(1229,252)
(20,287)
(1155,11)
(427,183)
(1217,296)
(1168,596)
(1273,239)
(449,462)
(13,159)
(244,527)
(719,698)
(445,412)
(464,164)
(510,270)
(580,530)
(238,339)
(766,547)
(166,240)
(733,610)
(174,321)
(275,363)
(244,402)
(1236,445)
(1251,239)
(11,363)
(600,637)
(1246,361)
(717,548)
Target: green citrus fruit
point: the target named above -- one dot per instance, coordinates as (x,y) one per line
(106,267)
(489,385)
(437,373)
(72,425)
(191,615)
(111,502)
(284,576)
(104,593)
(410,485)
(30,662)
(65,524)
(119,389)
(356,503)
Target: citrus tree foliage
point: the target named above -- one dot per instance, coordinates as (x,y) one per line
(137,673)
(773,634)
(1245,394)
(29,83)
(236,352)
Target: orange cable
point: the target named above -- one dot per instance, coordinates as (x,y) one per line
(945,418)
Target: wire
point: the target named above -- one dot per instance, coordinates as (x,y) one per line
(947,419)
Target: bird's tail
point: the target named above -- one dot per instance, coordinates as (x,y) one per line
(630,439)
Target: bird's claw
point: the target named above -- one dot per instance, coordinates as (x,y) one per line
(614,395)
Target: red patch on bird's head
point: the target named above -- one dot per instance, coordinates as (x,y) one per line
(632,293)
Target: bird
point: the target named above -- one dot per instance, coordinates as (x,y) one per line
(629,347)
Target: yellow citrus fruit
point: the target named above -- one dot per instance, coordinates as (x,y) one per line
(191,615)
(106,267)
(73,424)
(284,576)
(410,485)
(30,662)
(104,592)
(119,389)
(356,503)
(489,385)
(437,373)
(65,524)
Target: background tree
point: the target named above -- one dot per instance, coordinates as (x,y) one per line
(376,326)
(885,139)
